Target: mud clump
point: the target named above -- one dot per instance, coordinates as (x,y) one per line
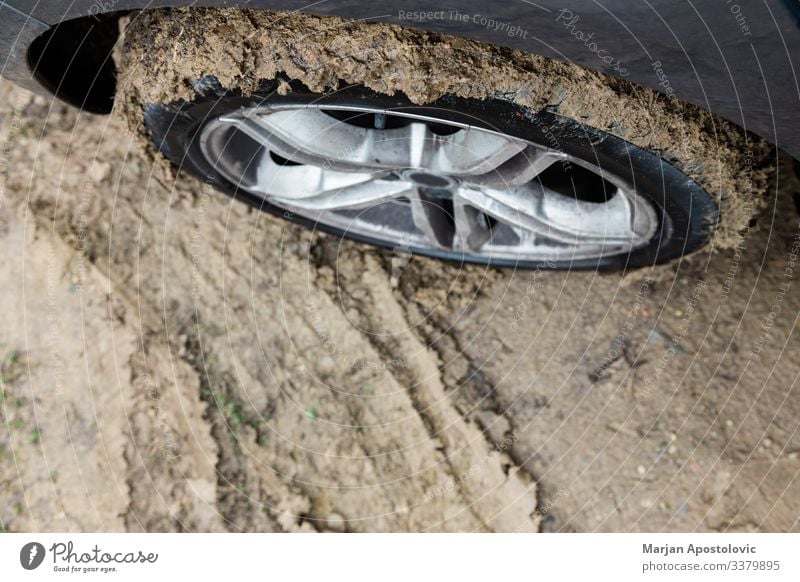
(166,50)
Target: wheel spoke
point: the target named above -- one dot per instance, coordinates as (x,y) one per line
(519,170)
(472,152)
(434,217)
(533,209)
(363,194)
(309,136)
(299,182)
(472,227)
(347,155)
(466,152)
(610,221)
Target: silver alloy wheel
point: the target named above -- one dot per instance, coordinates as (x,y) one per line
(415,181)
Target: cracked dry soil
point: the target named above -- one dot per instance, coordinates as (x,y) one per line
(173,361)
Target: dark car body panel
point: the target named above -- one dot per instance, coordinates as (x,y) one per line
(732,57)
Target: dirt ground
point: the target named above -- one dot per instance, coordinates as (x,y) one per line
(173,361)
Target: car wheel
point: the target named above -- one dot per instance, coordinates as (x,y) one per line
(486,181)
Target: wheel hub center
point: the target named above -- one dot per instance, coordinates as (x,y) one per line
(427,179)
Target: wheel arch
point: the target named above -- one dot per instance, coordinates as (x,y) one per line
(766,107)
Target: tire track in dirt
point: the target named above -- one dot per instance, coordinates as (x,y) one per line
(498,495)
(159,448)
(236,417)
(62,416)
(474,395)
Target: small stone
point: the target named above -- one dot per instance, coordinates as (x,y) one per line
(641,470)
(284,88)
(326,365)
(336,522)
(98,171)
(359,293)
(182,339)
(672,449)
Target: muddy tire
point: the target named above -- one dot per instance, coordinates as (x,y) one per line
(481,155)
